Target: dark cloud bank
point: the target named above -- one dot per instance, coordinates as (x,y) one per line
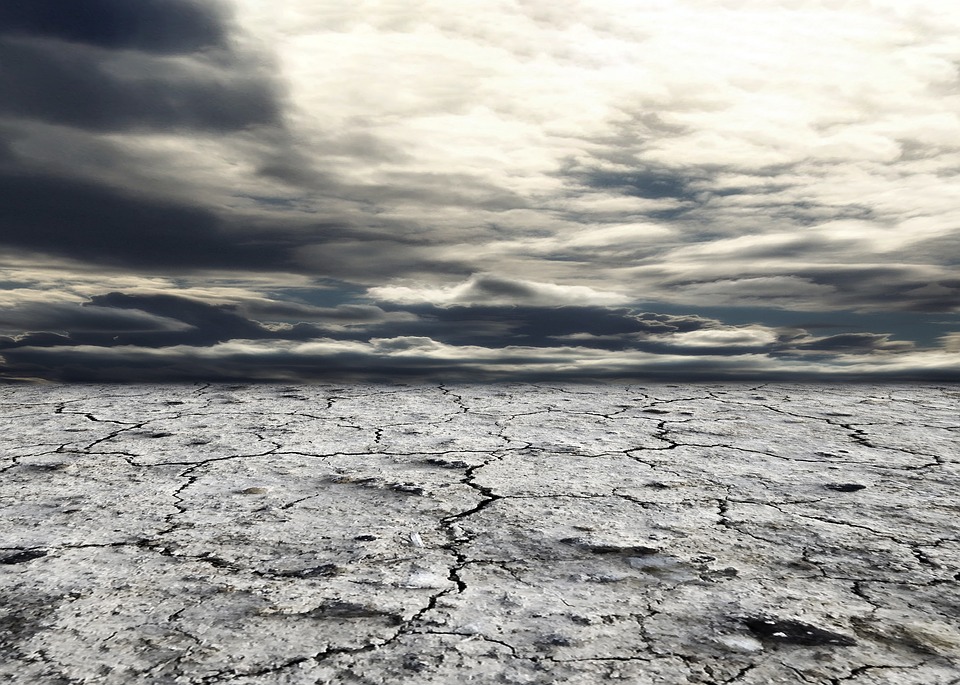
(119,337)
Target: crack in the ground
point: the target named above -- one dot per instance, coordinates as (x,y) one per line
(114,434)
(824,519)
(470,636)
(860,670)
(457,399)
(739,675)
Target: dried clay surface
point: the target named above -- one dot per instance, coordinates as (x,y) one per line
(279,535)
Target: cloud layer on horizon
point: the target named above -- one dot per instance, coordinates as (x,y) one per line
(520,188)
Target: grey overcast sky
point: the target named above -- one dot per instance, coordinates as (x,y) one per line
(301,190)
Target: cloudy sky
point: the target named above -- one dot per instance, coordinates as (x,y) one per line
(306,190)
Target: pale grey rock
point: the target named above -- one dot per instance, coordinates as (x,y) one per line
(657,534)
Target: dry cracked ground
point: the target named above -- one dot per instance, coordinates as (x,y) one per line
(277,535)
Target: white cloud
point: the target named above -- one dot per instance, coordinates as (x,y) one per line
(743,336)
(488,289)
(951,342)
(812,109)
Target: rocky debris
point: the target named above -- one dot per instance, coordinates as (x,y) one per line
(790,632)
(622,550)
(659,534)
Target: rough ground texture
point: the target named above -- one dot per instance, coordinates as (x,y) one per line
(492,534)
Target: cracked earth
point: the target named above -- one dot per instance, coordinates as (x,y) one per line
(268,535)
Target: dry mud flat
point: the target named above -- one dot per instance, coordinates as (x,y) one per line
(492,534)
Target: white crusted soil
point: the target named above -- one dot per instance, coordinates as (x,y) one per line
(480,534)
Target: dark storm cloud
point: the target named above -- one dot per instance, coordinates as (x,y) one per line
(211,323)
(164,26)
(179,364)
(278,310)
(854,343)
(652,184)
(68,316)
(162,320)
(6,151)
(73,85)
(764,273)
(502,326)
(416,360)
(367,255)
(144,320)
(119,66)
(91,221)
(887,287)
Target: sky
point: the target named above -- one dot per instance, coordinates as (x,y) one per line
(479,190)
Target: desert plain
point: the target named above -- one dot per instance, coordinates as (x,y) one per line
(503,533)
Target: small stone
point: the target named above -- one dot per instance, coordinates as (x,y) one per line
(253,491)
(408,488)
(322,571)
(845,487)
(447,464)
(623,550)
(339,609)
(22,557)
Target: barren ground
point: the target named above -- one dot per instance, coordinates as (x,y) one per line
(270,535)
